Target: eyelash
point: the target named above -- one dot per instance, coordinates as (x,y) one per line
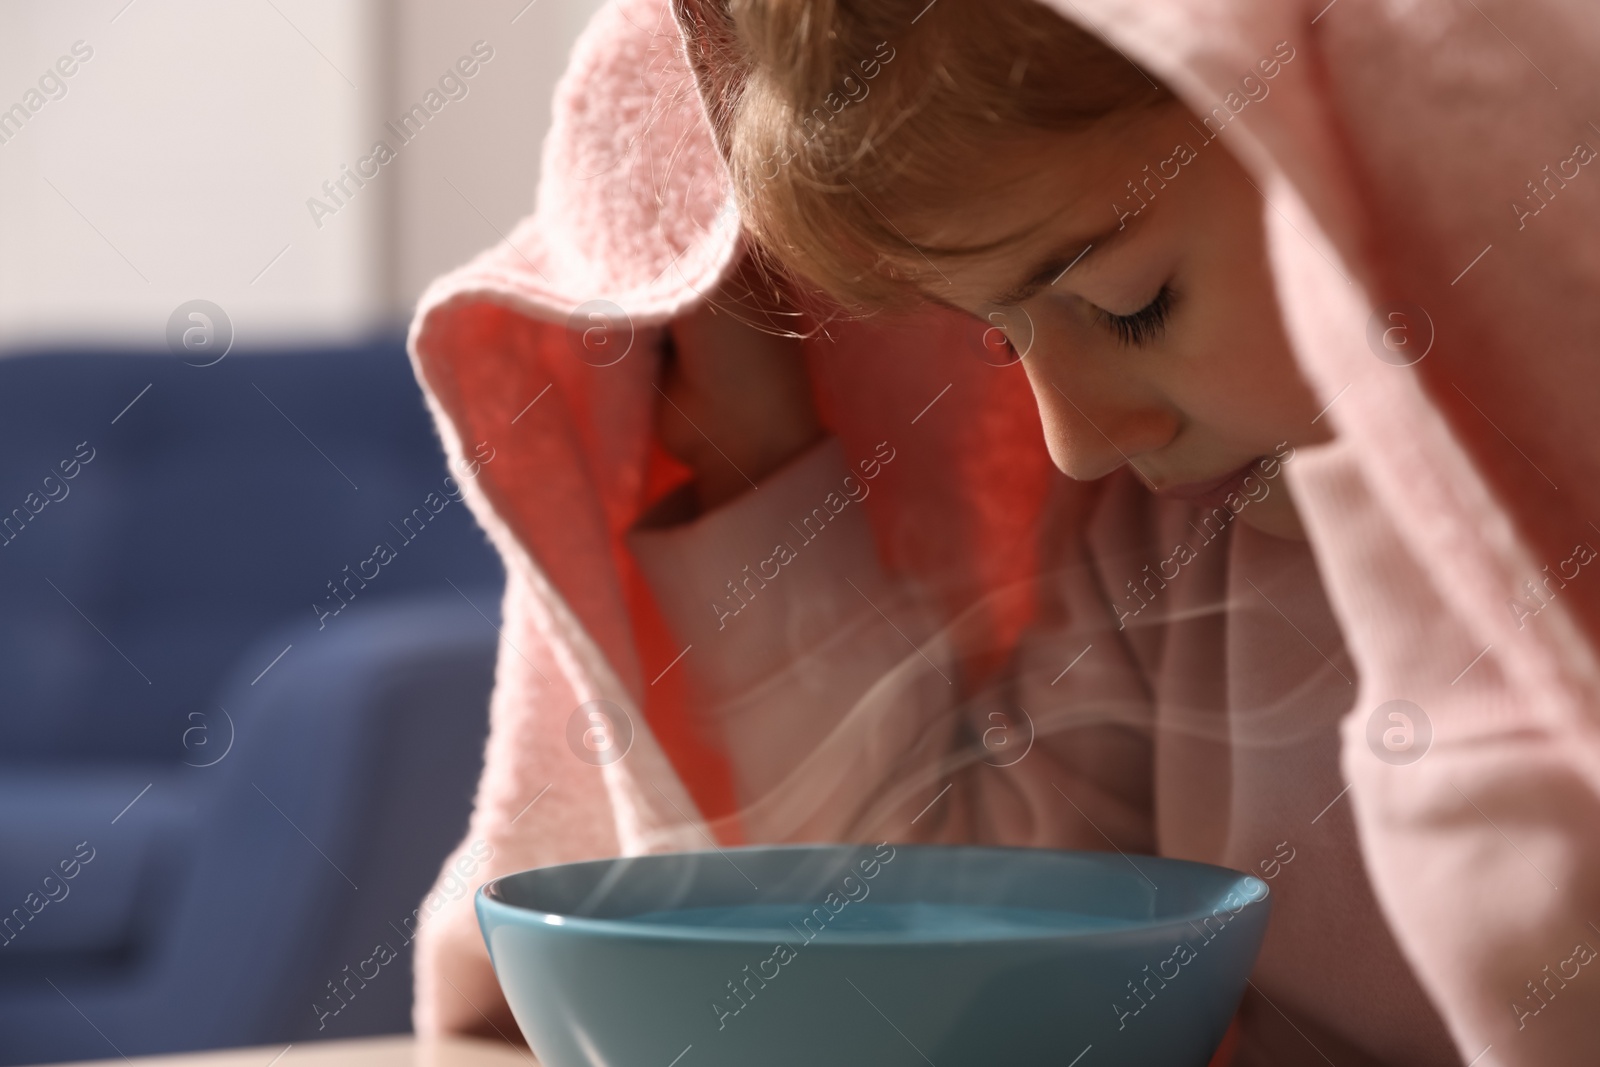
(1144,325)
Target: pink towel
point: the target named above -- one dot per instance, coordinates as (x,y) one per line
(1431,156)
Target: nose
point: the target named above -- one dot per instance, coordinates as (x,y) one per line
(1094,423)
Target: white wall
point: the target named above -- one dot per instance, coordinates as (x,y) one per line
(488,149)
(180,160)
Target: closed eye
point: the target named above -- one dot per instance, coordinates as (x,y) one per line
(1142,326)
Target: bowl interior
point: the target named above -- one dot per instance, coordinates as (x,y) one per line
(915,892)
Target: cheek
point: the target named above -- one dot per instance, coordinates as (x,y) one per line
(1242,396)
(1245,382)
(1240,376)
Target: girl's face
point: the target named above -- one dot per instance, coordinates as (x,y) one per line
(1145,322)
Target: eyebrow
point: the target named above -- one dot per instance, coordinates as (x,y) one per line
(1055,267)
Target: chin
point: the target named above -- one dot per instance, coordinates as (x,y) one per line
(1276,516)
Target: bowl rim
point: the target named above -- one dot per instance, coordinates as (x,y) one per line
(628,929)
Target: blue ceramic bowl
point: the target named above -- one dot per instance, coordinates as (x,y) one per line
(821,956)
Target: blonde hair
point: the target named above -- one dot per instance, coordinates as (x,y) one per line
(841,119)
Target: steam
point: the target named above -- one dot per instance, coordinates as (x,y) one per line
(914,724)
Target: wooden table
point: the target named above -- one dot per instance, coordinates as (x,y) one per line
(398,1051)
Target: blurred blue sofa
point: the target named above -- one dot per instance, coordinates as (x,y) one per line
(230,766)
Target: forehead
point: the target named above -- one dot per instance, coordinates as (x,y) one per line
(1022,199)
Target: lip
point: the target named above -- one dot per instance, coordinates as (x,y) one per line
(1206,490)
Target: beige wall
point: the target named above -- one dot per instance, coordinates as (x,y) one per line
(179,161)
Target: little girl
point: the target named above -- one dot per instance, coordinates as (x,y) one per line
(1180,688)
(1107,578)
